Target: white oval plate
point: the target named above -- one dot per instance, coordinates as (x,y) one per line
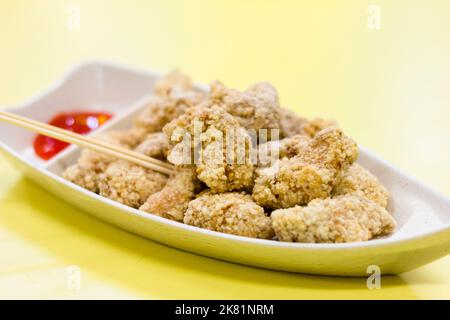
(423,215)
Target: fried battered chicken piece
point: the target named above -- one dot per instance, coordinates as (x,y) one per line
(314,126)
(231,212)
(173,95)
(172,201)
(289,182)
(129,184)
(256,108)
(358,179)
(155,145)
(84,175)
(291,124)
(91,163)
(331,149)
(290,147)
(309,175)
(220,147)
(347,218)
(271,151)
(172,81)
(129,138)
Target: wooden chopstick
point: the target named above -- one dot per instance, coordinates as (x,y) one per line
(86,142)
(89,140)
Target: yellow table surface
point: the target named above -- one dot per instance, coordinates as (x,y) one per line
(387,87)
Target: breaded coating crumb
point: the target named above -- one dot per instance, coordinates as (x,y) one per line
(84,176)
(172,201)
(172,81)
(271,151)
(331,149)
(268,153)
(290,147)
(129,138)
(290,182)
(309,175)
(91,163)
(291,124)
(231,212)
(155,145)
(223,158)
(126,139)
(256,108)
(129,184)
(314,126)
(348,218)
(173,95)
(356,178)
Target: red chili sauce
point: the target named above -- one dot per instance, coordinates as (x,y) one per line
(79,122)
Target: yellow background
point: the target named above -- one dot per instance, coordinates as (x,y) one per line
(388,88)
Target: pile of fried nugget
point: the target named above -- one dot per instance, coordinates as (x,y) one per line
(310,190)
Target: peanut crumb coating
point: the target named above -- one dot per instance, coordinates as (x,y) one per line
(220,147)
(256,108)
(155,145)
(91,163)
(291,124)
(358,179)
(173,95)
(172,201)
(309,175)
(348,218)
(129,184)
(231,212)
